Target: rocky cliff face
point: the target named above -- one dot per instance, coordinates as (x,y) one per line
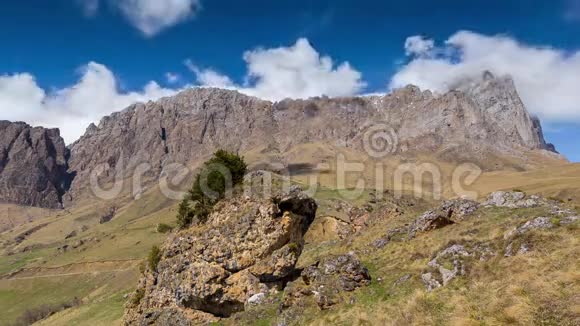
(33,165)
(181,129)
(475,121)
(470,122)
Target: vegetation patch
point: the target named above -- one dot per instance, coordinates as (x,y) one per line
(154,258)
(218,176)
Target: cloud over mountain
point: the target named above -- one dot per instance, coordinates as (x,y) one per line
(73,108)
(546,78)
(297,71)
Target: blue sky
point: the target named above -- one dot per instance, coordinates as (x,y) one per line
(52,40)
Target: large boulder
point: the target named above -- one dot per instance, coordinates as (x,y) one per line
(248,249)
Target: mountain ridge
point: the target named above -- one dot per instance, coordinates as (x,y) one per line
(469,123)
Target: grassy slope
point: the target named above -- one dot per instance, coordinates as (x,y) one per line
(100,272)
(538,288)
(131,233)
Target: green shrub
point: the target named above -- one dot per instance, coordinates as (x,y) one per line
(164,228)
(215,184)
(154,258)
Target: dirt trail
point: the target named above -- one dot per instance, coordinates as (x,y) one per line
(96,267)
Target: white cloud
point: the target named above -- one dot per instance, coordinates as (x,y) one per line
(209,77)
(153,16)
(418,45)
(73,108)
(172,78)
(297,71)
(148,16)
(546,78)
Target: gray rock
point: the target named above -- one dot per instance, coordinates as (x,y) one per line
(513,200)
(537,223)
(256,300)
(440,275)
(430,282)
(450,212)
(328,280)
(569,220)
(33,165)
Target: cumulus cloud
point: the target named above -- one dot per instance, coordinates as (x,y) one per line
(298,71)
(149,16)
(546,78)
(418,45)
(73,108)
(208,77)
(152,16)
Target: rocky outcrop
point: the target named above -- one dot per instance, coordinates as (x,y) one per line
(450,212)
(453,262)
(327,281)
(33,165)
(514,199)
(184,129)
(247,250)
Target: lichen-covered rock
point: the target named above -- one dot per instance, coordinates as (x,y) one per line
(327,280)
(452,262)
(248,247)
(514,199)
(518,244)
(537,223)
(447,265)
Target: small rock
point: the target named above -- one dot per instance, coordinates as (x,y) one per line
(402,280)
(256,299)
(430,282)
